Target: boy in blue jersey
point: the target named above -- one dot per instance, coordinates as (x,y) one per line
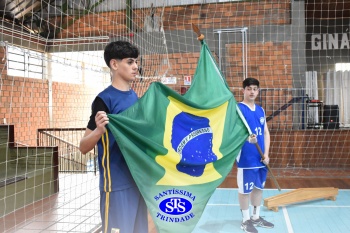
(121,204)
(251,170)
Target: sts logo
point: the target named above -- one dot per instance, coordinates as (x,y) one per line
(175,206)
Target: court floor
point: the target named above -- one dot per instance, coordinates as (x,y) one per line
(222,214)
(76,209)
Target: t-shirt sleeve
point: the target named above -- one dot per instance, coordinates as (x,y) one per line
(97,105)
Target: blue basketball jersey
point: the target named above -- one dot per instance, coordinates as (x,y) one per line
(114,172)
(249,156)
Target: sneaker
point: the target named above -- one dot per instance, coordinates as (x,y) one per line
(260,222)
(248,227)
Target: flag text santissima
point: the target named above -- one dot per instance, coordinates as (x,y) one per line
(175,192)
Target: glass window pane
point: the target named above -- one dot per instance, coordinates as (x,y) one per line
(24,63)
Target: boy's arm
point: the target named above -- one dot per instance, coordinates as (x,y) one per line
(266,143)
(91,137)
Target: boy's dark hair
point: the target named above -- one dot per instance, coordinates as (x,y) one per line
(120,50)
(250,81)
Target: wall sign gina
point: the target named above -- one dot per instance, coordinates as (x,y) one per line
(330,41)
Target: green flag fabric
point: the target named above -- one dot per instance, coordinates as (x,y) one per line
(180,148)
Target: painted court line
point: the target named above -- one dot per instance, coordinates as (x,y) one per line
(287,219)
(224,204)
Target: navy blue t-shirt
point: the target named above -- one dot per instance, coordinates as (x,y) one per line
(114,172)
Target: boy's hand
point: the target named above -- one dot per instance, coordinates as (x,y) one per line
(252,139)
(266,160)
(101,120)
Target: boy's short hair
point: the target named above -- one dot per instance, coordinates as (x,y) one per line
(120,50)
(250,81)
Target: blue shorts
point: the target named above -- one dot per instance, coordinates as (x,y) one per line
(248,179)
(125,210)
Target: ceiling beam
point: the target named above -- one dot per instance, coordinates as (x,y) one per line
(25,10)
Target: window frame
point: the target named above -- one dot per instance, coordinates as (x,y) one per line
(24,63)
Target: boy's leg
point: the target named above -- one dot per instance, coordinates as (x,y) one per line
(124,210)
(141,221)
(256,198)
(244,178)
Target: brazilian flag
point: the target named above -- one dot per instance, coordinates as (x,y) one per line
(180,148)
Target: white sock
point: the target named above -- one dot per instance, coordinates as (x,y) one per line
(245,214)
(256,212)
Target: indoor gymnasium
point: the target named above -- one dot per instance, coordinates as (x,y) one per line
(181,137)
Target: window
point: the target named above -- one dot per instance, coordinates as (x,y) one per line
(24,63)
(77,67)
(83,67)
(342,66)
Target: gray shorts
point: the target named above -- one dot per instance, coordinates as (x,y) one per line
(124,210)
